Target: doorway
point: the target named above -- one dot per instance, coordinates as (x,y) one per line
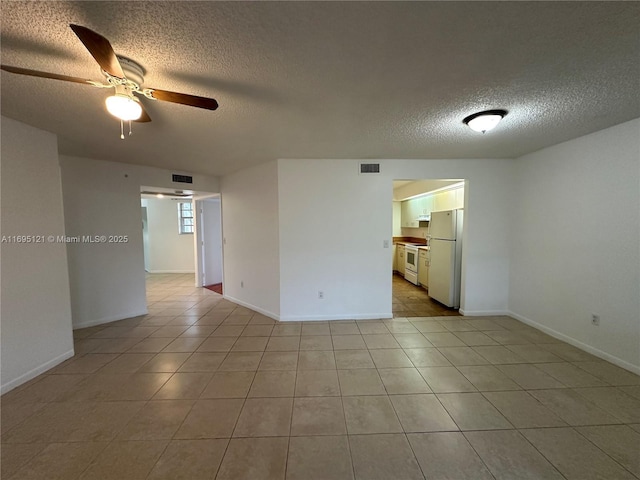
(182,235)
(167,233)
(413,203)
(209,267)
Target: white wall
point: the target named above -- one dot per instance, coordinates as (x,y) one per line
(333,223)
(332,226)
(575,246)
(36,312)
(250,225)
(168,250)
(107,281)
(211,225)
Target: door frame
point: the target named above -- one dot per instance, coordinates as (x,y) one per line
(199,238)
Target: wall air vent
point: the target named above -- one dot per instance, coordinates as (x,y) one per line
(369,168)
(181,178)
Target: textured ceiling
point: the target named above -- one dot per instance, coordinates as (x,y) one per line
(328,79)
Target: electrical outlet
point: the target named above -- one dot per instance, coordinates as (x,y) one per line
(385,244)
(241,283)
(320,294)
(595,319)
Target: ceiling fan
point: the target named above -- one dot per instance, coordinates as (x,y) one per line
(125,76)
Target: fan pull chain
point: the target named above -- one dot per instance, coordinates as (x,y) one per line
(121,129)
(130,132)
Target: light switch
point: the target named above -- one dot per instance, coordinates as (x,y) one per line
(385,244)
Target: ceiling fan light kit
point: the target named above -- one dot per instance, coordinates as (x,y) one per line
(123,74)
(123,105)
(484,121)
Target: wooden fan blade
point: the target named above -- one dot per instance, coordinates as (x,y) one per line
(184,99)
(38,73)
(144,117)
(101,50)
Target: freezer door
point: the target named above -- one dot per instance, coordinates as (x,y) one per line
(443,224)
(441,271)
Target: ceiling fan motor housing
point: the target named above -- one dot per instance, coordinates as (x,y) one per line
(132,70)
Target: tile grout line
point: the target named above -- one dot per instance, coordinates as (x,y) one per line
(603,451)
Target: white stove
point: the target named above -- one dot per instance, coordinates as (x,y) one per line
(411,264)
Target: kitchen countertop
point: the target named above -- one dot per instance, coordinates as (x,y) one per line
(421,247)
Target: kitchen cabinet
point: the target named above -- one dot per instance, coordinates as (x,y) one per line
(412,209)
(395,257)
(425,205)
(444,201)
(448,200)
(415,210)
(408,213)
(400,259)
(405,215)
(423,267)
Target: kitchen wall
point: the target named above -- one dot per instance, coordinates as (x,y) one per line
(574,242)
(250,225)
(36,311)
(420,232)
(107,281)
(168,250)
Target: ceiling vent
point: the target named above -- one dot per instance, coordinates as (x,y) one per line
(181,178)
(369,168)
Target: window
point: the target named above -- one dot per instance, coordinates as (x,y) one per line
(185,217)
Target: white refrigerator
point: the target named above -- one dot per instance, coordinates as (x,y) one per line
(445,269)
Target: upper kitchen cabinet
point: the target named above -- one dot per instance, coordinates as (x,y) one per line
(425,205)
(449,199)
(409,213)
(444,201)
(437,201)
(405,215)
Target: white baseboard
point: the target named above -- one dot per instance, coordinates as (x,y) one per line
(114,318)
(309,318)
(264,312)
(483,313)
(34,372)
(324,318)
(171,271)
(576,343)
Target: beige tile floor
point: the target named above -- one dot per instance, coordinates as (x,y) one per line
(201,388)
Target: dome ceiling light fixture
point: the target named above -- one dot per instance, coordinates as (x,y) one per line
(124,106)
(484,121)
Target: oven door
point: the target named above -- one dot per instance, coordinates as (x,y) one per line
(411,259)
